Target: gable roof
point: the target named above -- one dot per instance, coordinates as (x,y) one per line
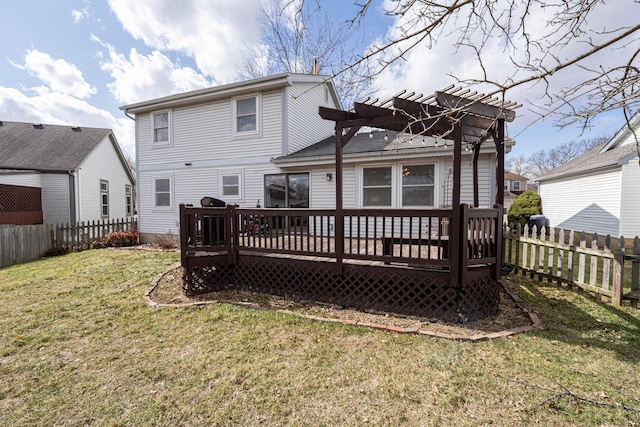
(275,81)
(593,160)
(510,176)
(27,146)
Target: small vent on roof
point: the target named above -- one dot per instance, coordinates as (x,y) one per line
(75,128)
(38,126)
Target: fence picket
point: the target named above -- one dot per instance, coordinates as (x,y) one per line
(570,269)
(593,267)
(551,259)
(635,270)
(582,257)
(525,246)
(541,247)
(606,264)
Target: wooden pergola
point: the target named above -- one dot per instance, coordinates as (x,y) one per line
(455,114)
(400,260)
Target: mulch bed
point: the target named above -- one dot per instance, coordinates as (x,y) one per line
(512,317)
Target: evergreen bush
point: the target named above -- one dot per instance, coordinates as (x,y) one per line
(527,204)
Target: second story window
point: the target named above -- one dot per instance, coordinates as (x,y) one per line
(160,127)
(246,115)
(515,185)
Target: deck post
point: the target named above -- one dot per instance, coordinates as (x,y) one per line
(183,235)
(464,243)
(232,230)
(499,241)
(455,249)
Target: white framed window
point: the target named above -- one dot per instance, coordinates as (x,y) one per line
(515,185)
(128,199)
(506,185)
(418,185)
(104,198)
(246,115)
(377,186)
(161,128)
(231,185)
(162,195)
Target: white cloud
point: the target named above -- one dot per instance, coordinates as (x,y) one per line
(79,15)
(215,34)
(63,109)
(58,74)
(140,77)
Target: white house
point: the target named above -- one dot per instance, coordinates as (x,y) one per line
(81,172)
(598,191)
(262,142)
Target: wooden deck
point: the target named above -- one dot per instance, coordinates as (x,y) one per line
(393,260)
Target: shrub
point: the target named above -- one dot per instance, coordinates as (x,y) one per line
(65,249)
(121,238)
(527,204)
(57,251)
(165,241)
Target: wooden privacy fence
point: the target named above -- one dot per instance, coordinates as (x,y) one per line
(91,231)
(23,243)
(606,266)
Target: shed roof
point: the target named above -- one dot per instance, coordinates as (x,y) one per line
(46,147)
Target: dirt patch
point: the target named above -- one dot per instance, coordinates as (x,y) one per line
(512,315)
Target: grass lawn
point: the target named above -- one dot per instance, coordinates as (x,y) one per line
(78,346)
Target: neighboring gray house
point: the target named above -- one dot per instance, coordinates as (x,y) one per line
(82,173)
(262,142)
(597,192)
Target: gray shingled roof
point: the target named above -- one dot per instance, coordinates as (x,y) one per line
(46,147)
(589,161)
(360,143)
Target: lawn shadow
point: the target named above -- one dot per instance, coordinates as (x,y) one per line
(577,318)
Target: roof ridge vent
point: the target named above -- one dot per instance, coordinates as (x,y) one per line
(38,126)
(76,128)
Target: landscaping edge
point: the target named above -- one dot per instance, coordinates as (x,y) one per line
(535,320)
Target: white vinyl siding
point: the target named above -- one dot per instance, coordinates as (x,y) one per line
(306,127)
(630,207)
(21,179)
(589,203)
(486,194)
(55,198)
(102,164)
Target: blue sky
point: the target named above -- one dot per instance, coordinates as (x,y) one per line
(77,61)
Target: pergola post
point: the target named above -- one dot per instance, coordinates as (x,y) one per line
(499,142)
(339,224)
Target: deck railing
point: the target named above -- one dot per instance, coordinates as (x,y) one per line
(418,237)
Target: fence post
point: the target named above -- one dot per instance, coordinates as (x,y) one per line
(618,274)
